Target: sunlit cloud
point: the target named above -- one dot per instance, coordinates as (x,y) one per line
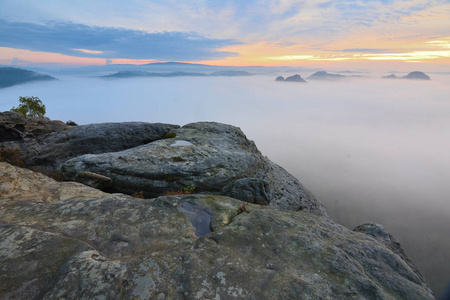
(414,56)
(89,51)
(292,57)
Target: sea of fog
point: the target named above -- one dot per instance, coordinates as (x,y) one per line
(372,150)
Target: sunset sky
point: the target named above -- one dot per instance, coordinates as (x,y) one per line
(367,34)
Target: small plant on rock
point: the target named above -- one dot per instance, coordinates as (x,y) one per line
(139,195)
(189,189)
(30,107)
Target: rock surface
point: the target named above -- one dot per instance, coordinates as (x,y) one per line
(213,157)
(44,144)
(15,127)
(66,240)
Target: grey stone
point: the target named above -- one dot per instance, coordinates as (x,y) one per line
(44,144)
(210,156)
(95,245)
(252,190)
(16,127)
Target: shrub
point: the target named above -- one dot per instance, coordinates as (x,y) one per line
(169,135)
(71,123)
(30,107)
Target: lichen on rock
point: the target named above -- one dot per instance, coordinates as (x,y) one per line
(96,245)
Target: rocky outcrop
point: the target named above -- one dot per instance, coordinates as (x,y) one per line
(279,78)
(15,127)
(392,76)
(66,240)
(294,78)
(44,144)
(215,158)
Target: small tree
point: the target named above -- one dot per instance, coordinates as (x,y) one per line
(30,107)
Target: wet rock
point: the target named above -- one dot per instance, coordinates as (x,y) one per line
(113,246)
(213,157)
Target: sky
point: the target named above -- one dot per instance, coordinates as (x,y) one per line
(369,34)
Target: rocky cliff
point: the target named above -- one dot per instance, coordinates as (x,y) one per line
(250,230)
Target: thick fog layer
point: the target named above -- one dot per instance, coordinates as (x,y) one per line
(372,150)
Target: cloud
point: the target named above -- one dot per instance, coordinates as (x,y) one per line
(109,42)
(362,50)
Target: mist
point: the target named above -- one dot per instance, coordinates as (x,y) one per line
(371,150)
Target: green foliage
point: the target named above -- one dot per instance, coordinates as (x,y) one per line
(71,123)
(169,135)
(139,195)
(189,189)
(30,107)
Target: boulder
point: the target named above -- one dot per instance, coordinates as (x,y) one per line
(215,158)
(295,78)
(94,245)
(15,127)
(44,144)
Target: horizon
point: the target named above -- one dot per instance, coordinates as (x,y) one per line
(364,35)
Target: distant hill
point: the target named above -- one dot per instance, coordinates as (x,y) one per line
(321,75)
(294,78)
(413,75)
(417,75)
(392,76)
(128,74)
(11,76)
(231,73)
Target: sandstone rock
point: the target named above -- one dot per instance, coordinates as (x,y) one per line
(103,246)
(44,144)
(16,127)
(213,157)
